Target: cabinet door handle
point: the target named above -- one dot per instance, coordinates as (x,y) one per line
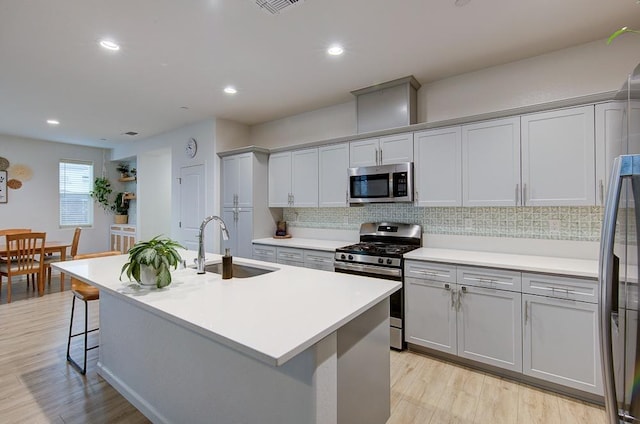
(524,195)
(380,156)
(517,193)
(526,311)
(462,289)
(601,193)
(376,156)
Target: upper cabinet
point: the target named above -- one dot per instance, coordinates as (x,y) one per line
(558,158)
(333,161)
(611,139)
(438,175)
(381,151)
(491,163)
(237,180)
(293,178)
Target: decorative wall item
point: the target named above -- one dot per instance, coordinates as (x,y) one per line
(3,186)
(4,164)
(14,184)
(20,172)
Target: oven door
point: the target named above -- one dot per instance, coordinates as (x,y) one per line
(396,300)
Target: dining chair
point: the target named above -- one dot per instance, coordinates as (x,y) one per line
(24,251)
(49,259)
(86,293)
(5,231)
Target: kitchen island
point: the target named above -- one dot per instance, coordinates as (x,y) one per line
(294,345)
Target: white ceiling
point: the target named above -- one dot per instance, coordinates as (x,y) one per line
(182,53)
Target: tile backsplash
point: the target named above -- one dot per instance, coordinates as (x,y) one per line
(554,223)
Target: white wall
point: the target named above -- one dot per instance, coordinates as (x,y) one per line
(322,124)
(172,143)
(35,204)
(231,135)
(583,70)
(155,194)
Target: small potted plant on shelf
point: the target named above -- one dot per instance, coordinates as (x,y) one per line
(120,207)
(123,169)
(150,261)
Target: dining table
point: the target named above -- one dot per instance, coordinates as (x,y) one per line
(50,247)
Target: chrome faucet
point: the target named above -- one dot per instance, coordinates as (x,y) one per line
(225,236)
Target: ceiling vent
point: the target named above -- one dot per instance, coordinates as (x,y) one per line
(275,6)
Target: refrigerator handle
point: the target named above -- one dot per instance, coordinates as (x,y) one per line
(606,275)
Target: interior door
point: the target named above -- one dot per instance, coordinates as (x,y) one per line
(192,203)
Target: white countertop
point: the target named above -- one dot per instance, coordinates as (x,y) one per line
(545,264)
(304,243)
(272,317)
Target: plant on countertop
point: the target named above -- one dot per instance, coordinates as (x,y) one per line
(101,191)
(159,254)
(621,31)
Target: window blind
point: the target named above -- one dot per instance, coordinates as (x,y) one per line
(76,205)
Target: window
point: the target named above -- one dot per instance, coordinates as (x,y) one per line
(76,205)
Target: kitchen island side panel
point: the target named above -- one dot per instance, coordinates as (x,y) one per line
(174,375)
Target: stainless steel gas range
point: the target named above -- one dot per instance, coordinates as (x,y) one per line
(379,254)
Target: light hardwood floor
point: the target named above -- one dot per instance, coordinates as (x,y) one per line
(37,385)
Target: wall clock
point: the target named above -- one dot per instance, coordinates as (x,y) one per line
(191,148)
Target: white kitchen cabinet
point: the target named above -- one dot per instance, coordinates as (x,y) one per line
(333,162)
(237,180)
(558,157)
(263,252)
(438,161)
(611,141)
(430,314)
(293,178)
(280,179)
(318,259)
(482,324)
(491,163)
(290,256)
(561,342)
(560,331)
(244,201)
(239,223)
(489,326)
(386,150)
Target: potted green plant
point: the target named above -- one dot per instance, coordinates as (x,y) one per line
(123,169)
(150,261)
(101,192)
(120,207)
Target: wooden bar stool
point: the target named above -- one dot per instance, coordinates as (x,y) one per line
(86,293)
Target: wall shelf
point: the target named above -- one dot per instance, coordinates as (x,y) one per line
(130,196)
(127,179)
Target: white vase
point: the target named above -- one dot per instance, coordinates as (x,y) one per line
(147,276)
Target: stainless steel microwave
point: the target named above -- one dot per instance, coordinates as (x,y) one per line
(385,183)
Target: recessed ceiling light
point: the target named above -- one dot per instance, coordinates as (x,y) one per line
(230,90)
(53,122)
(335,50)
(109,44)
(461,3)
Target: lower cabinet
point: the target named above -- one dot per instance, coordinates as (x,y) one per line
(318,259)
(123,237)
(489,326)
(308,258)
(546,326)
(561,336)
(240,223)
(478,323)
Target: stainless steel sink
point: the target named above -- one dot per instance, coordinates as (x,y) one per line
(239,270)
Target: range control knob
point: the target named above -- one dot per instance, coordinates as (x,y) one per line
(343,256)
(389,261)
(380,260)
(350,257)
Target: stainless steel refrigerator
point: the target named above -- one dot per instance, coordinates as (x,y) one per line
(618,273)
(619,292)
